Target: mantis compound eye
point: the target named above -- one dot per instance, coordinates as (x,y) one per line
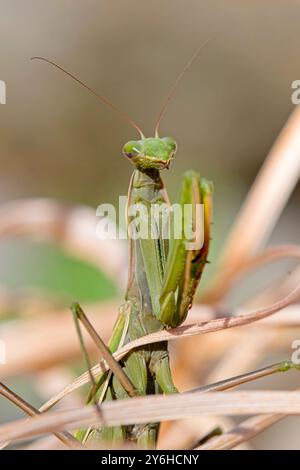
(171,144)
(132,149)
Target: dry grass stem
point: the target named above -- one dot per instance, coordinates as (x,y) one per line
(65,437)
(242,433)
(177,333)
(35,343)
(156,408)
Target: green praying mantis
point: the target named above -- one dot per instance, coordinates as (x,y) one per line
(164,273)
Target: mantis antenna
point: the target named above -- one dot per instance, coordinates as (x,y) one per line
(173,89)
(102,98)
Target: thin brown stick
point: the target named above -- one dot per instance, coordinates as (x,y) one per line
(232,382)
(222,385)
(217,431)
(156,408)
(64,437)
(105,352)
(241,433)
(62,343)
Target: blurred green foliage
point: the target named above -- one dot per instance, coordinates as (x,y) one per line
(46,267)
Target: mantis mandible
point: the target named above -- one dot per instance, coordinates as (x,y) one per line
(163,276)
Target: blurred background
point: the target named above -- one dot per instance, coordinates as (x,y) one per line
(57,141)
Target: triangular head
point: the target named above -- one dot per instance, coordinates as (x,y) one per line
(152,153)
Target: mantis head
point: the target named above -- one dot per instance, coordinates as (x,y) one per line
(151,153)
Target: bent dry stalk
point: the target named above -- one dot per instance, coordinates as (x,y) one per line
(163,277)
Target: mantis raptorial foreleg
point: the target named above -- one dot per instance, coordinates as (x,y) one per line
(186,258)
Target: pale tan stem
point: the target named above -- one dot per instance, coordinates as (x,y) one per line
(156,408)
(64,437)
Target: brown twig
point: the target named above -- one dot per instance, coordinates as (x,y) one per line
(242,433)
(64,437)
(105,352)
(156,408)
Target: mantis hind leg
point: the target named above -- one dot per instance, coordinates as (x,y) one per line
(147,436)
(160,367)
(162,382)
(135,369)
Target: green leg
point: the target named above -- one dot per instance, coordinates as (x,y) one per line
(135,368)
(147,436)
(160,367)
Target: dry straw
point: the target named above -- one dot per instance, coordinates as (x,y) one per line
(74,229)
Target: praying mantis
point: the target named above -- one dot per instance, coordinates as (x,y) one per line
(164,273)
